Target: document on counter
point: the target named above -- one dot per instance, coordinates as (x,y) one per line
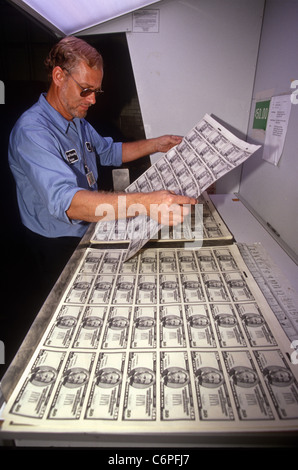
(206,153)
(171,340)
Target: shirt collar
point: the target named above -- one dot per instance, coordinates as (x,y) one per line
(57,118)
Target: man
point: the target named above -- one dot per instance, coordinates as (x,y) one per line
(53,152)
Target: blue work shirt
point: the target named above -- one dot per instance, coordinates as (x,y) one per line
(47,156)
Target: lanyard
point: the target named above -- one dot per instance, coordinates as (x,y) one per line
(86,147)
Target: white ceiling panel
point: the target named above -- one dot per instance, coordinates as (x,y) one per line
(71,16)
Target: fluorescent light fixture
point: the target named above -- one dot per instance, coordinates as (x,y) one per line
(71,16)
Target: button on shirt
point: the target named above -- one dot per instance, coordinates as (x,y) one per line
(47,156)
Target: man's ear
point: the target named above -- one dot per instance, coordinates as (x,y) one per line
(58,76)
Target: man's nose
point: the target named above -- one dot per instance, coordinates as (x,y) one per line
(92,98)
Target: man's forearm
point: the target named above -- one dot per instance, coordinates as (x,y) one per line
(91,206)
(164,206)
(134,150)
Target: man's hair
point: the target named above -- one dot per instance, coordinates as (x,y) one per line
(69,51)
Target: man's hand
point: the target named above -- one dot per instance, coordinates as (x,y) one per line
(166,142)
(166,207)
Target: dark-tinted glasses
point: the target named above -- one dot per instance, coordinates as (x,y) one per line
(85,91)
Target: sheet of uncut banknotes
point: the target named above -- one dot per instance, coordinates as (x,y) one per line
(171,340)
(206,153)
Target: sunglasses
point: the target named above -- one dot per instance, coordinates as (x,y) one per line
(85,91)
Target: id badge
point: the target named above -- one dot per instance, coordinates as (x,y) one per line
(90,178)
(71,156)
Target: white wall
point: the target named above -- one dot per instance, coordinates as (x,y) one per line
(272,191)
(202,60)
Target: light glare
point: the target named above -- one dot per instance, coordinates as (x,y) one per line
(71,16)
